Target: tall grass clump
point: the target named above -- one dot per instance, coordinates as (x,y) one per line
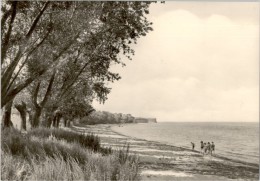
(13,141)
(89,141)
(22,145)
(13,167)
(57,168)
(127,165)
(30,157)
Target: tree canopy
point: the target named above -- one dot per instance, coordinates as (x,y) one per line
(61,52)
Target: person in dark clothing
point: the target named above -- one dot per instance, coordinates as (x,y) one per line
(201,146)
(212,147)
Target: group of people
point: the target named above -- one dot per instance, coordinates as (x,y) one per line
(206,148)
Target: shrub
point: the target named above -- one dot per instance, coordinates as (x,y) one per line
(89,141)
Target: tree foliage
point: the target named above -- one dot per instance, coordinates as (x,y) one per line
(61,52)
(104,117)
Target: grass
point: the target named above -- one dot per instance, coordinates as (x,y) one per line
(38,157)
(89,141)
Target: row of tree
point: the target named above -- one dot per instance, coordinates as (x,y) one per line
(104,117)
(56,55)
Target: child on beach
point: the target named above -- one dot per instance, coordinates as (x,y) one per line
(212,147)
(209,148)
(201,146)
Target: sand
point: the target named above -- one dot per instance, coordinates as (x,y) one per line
(159,161)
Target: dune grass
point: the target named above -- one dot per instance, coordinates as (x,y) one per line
(89,141)
(36,157)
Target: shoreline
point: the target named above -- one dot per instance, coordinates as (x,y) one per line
(184,148)
(159,161)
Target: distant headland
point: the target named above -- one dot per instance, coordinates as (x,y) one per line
(145,120)
(104,117)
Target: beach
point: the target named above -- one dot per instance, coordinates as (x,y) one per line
(159,161)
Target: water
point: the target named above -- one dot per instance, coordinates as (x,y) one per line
(238,141)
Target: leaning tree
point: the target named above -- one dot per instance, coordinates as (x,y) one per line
(55,47)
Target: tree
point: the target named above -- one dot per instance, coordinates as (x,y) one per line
(6,119)
(16,44)
(23,112)
(62,46)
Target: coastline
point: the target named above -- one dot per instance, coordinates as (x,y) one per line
(159,161)
(185,148)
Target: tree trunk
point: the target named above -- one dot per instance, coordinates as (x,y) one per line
(22,110)
(54,122)
(30,117)
(58,122)
(6,119)
(49,121)
(36,117)
(56,119)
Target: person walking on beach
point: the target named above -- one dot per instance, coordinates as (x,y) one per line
(204,148)
(209,148)
(193,145)
(201,146)
(212,147)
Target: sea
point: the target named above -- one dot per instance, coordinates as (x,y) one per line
(237,141)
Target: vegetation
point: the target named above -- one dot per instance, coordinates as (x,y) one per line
(89,141)
(58,54)
(37,157)
(104,117)
(55,60)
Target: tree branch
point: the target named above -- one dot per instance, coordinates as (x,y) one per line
(27,58)
(35,94)
(8,34)
(48,91)
(28,35)
(9,71)
(13,92)
(79,73)
(5,16)
(7,75)
(74,80)
(7,96)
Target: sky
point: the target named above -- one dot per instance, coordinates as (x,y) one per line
(201,63)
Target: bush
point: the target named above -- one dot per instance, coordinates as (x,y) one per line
(89,141)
